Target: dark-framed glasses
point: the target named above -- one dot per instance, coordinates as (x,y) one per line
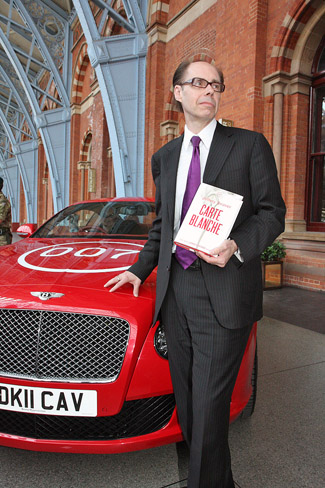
(202,83)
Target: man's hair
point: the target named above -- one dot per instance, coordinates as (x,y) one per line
(1,183)
(180,73)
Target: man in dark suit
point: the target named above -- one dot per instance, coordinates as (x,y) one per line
(208,303)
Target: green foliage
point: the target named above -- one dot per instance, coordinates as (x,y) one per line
(274,252)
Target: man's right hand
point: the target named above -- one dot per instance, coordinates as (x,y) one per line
(122,279)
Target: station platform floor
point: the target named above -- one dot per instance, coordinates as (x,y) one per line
(281,446)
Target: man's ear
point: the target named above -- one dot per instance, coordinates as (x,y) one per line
(178,93)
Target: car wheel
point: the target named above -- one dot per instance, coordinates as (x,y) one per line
(249,409)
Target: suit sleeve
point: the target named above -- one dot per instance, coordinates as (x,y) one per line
(266,220)
(148,257)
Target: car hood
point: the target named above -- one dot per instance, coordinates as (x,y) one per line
(75,269)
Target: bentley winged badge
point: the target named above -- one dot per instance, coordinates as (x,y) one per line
(46,295)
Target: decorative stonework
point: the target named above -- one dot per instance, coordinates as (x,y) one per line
(83,165)
(157,34)
(79,75)
(298,29)
(50,27)
(282,82)
(84,153)
(169,129)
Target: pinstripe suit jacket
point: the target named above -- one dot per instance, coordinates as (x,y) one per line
(240,161)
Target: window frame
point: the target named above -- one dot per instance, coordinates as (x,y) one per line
(312,155)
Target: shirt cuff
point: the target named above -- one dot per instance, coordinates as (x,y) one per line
(239,256)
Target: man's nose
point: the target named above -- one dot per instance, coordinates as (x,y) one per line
(209,90)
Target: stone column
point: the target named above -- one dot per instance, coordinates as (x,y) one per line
(278,95)
(170,129)
(82,166)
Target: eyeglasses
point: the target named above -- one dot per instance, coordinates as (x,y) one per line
(202,83)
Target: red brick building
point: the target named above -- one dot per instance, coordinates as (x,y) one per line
(272,56)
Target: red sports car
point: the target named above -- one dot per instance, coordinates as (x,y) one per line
(82,369)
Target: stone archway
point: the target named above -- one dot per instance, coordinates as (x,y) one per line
(287,89)
(79,75)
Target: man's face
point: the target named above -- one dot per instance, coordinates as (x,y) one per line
(111,216)
(199,104)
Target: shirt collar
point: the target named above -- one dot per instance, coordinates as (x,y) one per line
(206,134)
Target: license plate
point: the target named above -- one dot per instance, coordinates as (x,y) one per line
(50,401)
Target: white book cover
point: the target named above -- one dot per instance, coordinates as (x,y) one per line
(209,219)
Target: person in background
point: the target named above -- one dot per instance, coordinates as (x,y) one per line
(5,218)
(208,304)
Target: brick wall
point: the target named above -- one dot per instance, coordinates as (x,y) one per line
(249,41)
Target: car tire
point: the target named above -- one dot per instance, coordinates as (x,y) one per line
(249,409)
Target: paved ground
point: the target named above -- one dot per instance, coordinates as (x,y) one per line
(296,306)
(281,446)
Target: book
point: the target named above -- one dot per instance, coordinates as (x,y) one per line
(209,219)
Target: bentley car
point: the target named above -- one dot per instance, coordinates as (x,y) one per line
(83,369)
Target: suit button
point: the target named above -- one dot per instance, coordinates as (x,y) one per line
(168,268)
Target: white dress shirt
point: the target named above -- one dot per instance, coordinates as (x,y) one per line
(206,136)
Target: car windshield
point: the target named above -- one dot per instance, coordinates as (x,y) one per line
(101,219)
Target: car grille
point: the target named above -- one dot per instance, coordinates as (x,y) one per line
(61,346)
(137,417)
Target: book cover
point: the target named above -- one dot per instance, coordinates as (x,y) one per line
(209,219)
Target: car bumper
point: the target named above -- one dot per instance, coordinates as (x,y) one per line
(149,391)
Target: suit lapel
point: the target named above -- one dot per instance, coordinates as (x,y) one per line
(221,145)
(222,142)
(170,162)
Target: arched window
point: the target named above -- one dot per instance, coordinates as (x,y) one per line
(316,162)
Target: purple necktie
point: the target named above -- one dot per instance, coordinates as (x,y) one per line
(183,256)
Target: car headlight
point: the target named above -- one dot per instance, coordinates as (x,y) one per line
(160,342)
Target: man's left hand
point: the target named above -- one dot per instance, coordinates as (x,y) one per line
(220,255)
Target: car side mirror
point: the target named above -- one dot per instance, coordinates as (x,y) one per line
(26,230)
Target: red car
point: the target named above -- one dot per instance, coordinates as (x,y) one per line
(82,369)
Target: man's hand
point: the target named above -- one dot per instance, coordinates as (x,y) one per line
(220,255)
(122,279)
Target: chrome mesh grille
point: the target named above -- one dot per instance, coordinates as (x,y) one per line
(61,346)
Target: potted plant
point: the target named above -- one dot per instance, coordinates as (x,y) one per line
(272,265)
